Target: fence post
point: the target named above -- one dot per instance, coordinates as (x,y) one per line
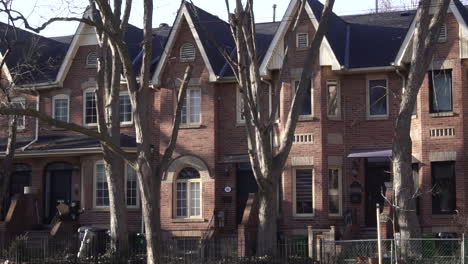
(310,240)
(463,249)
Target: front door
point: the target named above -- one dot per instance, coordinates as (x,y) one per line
(246,184)
(377,173)
(60,189)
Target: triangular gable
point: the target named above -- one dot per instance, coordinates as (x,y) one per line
(183,14)
(461,15)
(274,56)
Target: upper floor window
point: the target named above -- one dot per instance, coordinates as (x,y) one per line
(440,91)
(90,107)
(191,109)
(19,102)
(302,40)
(307,103)
(303,192)
(187,52)
(443,184)
(60,107)
(377,98)
(131,187)
(333,99)
(443,33)
(126,116)
(188,193)
(92,59)
(240,107)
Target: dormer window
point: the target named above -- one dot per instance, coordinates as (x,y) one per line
(187,52)
(302,40)
(443,33)
(92,59)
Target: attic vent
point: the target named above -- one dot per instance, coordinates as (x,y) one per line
(443,33)
(92,59)
(302,40)
(303,138)
(442,132)
(187,52)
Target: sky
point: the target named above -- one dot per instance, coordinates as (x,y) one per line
(38,11)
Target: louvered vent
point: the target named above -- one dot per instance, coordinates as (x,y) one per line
(302,40)
(443,33)
(303,138)
(92,59)
(442,132)
(187,52)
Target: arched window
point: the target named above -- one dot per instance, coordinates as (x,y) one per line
(92,59)
(188,193)
(187,52)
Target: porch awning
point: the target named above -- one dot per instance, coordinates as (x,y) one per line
(370,153)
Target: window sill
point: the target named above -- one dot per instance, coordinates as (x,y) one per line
(189,220)
(334,118)
(190,126)
(123,125)
(376,118)
(306,118)
(240,124)
(303,217)
(442,114)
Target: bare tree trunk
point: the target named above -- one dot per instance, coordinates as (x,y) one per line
(7,167)
(267,220)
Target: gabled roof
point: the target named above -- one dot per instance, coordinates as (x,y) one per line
(33,58)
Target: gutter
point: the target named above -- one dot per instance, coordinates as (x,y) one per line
(64,152)
(40,86)
(367,69)
(36,135)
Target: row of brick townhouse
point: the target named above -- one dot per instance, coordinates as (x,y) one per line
(339,163)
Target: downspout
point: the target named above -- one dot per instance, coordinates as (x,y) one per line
(36,135)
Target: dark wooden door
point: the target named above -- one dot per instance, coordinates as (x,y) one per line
(246,184)
(377,173)
(60,189)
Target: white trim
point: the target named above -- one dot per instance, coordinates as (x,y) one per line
(340,190)
(99,162)
(22,102)
(182,51)
(337,116)
(123,93)
(306,34)
(89,90)
(126,188)
(188,183)
(59,97)
(295,214)
(368,115)
(187,108)
(183,13)
(88,59)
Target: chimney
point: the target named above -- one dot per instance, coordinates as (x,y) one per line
(376,6)
(274,12)
(163,25)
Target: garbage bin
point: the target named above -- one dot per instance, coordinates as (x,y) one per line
(93,241)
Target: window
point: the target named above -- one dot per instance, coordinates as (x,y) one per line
(90,111)
(303,192)
(191,109)
(440,91)
(125,105)
(92,59)
(334,191)
(377,98)
(302,40)
(19,103)
(333,99)
(60,106)
(187,52)
(443,184)
(240,107)
(306,107)
(102,189)
(188,193)
(443,33)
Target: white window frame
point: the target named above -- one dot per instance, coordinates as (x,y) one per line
(187,105)
(123,93)
(60,97)
(137,189)
(84,106)
(340,191)
(239,106)
(188,59)
(101,162)
(311,116)
(295,214)
(337,116)
(376,117)
(297,39)
(92,53)
(187,182)
(22,102)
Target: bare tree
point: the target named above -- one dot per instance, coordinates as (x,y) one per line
(267,163)
(424,42)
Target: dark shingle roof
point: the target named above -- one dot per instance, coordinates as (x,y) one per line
(33,58)
(68,142)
